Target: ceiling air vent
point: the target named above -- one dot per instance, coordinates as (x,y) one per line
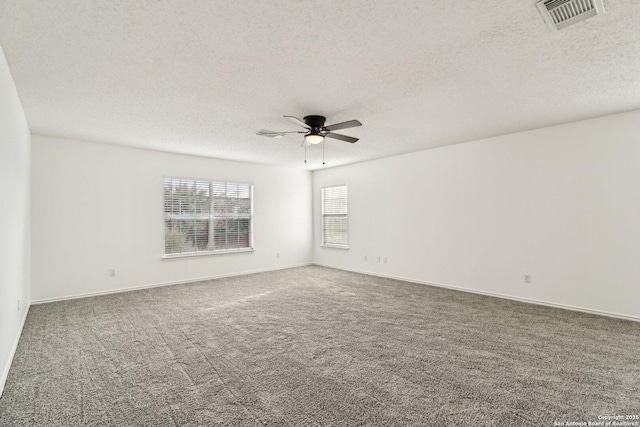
(561,13)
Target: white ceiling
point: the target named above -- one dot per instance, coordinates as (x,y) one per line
(202,77)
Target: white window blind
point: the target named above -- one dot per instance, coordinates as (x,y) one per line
(335,230)
(206,216)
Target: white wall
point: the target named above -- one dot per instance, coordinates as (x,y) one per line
(560,203)
(15,172)
(98,207)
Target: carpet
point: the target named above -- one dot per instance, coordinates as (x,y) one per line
(314,346)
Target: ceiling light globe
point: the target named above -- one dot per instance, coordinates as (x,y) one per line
(314,138)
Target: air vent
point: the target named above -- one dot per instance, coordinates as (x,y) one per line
(559,14)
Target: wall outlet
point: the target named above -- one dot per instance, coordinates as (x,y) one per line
(527,278)
(18,305)
(112,272)
(384,260)
(277,254)
(366,258)
(378,260)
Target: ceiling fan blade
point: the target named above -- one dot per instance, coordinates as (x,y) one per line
(267,132)
(344,125)
(341,137)
(274,134)
(298,121)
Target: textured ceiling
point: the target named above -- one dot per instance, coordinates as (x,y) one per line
(202,77)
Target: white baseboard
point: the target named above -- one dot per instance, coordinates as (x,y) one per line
(491,294)
(5,370)
(155,285)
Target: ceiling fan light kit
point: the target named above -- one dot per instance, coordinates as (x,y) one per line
(316,131)
(314,138)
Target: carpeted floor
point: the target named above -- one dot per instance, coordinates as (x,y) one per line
(313,346)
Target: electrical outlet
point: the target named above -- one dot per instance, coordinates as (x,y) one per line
(378,260)
(527,278)
(366,258)
(18,305)
(384,260)
(112,272)
(277,254)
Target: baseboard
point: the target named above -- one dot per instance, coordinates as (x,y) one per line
(491,294)
(5,370)
(155,285)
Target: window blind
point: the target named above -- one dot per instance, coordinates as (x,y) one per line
(206,216)
(335,230)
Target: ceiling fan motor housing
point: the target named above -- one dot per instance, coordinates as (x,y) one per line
(315,121)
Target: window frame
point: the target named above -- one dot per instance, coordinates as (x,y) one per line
(322,216)
(211,220)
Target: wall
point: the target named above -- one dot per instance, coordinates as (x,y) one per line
(98,207)
(560,203)
(15,172)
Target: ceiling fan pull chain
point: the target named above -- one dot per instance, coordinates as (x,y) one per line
(305,151)
(323,152)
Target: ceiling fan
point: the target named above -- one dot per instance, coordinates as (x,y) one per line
(315,130)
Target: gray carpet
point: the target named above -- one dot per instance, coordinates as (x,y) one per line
(314,346)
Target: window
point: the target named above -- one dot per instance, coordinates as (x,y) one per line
(335,225)
(206,216)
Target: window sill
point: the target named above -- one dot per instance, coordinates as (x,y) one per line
(208,253)
(346,248)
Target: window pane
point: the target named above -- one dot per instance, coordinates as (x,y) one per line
(194,207)
(177,237)
(334,216)
(222,234)
(335,230)
(334,200)
(244,229)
